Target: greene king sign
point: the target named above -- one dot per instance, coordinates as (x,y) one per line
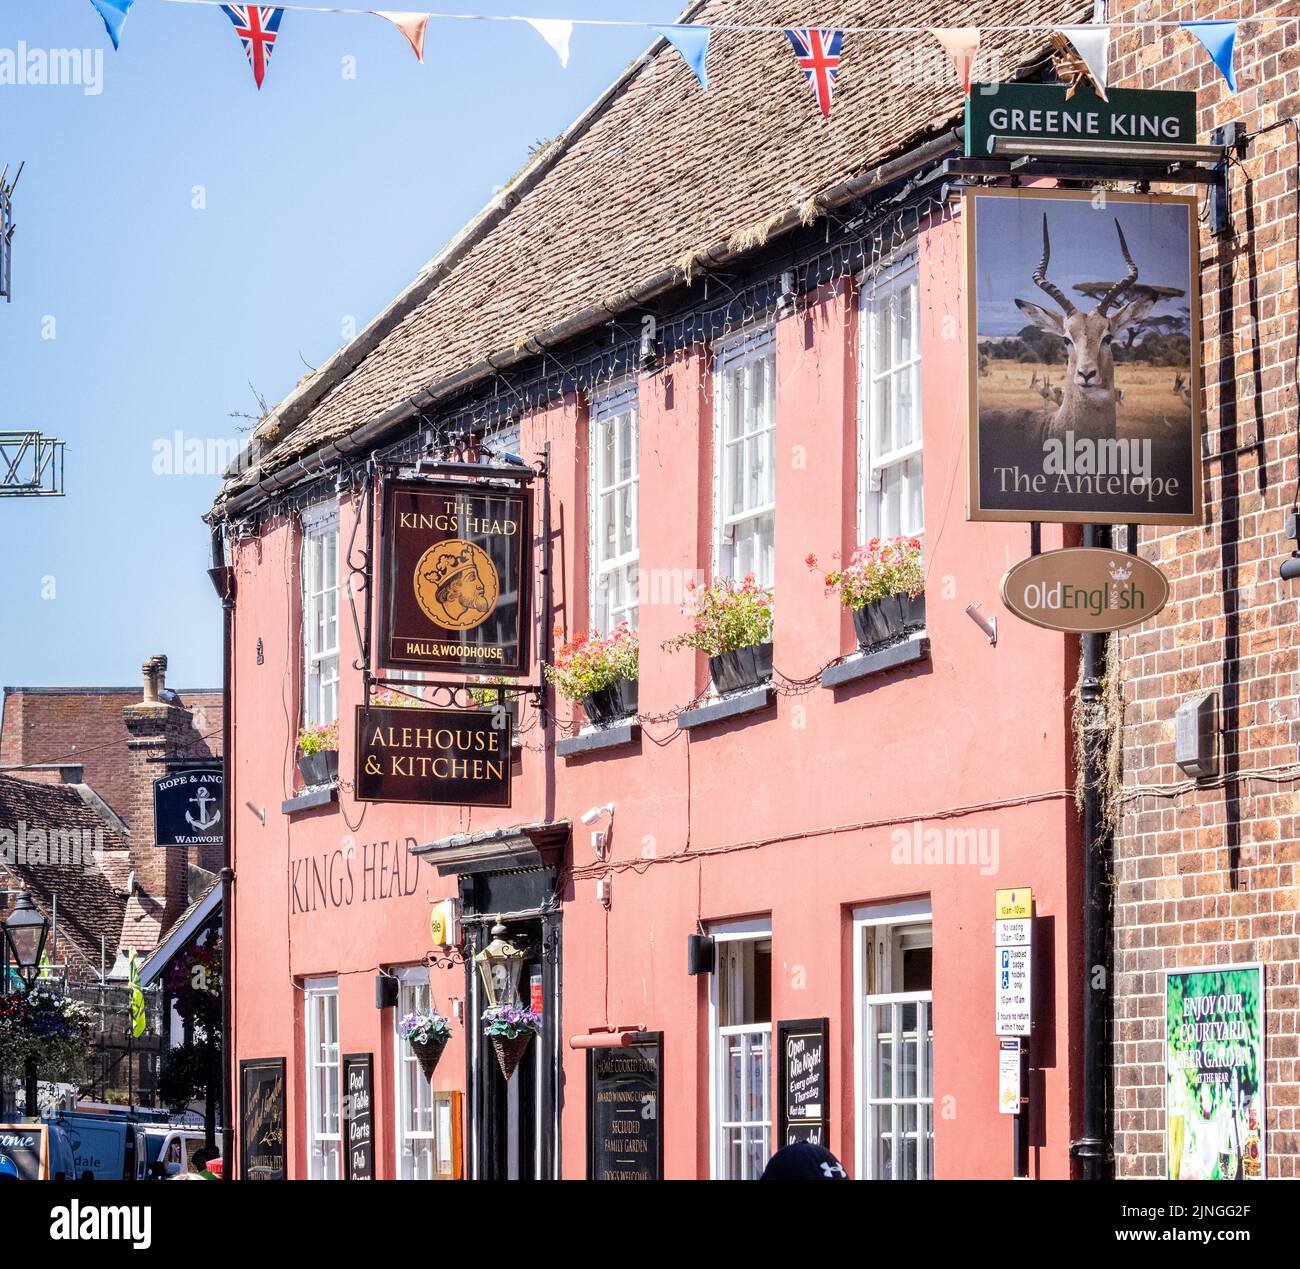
(1082,590)
(1043,112)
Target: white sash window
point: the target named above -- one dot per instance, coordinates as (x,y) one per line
(615,529)
(890,497)
(320,617)
(324,1138)
(744,464)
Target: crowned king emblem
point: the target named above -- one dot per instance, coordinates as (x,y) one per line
(456,584)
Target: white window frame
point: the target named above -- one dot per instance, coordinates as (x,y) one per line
(877,916)
(413,987)
(753,930)
(756,344)
(322,1055)
(606,410)
(874,466)
(321,664)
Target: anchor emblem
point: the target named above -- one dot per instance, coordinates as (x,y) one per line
(203,799)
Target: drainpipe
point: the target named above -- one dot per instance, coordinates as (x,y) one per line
(223,578)
(1093,1149)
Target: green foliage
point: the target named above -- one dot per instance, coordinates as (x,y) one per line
(589,664)
(725,617)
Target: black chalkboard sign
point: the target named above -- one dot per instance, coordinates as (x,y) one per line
(261,1137)
(624,1100)
(22,1151)
(803,1080)
(358,1117)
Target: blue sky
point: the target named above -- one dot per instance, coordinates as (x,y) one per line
(1085,248)
(321,197)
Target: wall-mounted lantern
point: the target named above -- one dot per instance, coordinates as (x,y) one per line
(499,965)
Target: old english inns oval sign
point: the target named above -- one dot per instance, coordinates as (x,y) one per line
(1082,590)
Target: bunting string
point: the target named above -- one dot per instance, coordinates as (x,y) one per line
(816,49)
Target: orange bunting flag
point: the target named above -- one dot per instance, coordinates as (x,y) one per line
(961,43)
(411,25)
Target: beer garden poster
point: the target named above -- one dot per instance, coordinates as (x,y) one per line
(1214,1073)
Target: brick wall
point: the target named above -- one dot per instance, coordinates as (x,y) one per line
(84,725)
(1206,874)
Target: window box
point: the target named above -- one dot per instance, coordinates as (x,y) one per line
(319,768)
(887,620)
(741,669)
(598,740)
(611,704)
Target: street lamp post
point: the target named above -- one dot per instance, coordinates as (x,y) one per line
(25,930)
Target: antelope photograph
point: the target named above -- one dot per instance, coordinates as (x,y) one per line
(1084,339)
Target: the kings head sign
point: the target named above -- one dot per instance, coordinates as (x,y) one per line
(456,569)
(1083,339)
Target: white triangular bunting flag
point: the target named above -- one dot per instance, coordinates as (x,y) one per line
(556,32)
(961,44)
(1092,43)
(411,25)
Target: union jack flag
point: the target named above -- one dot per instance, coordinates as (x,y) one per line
(818,53)
(257,26)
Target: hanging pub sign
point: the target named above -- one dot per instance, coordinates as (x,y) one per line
(188,807)
(803,1081)
(261,1137)
(358,1117)
(449,757)
(1214,1073)
(1083,376)
(1083,589)
(1044,112)
(455,569)
(624,1100)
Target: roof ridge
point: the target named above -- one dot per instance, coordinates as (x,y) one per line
(312,388)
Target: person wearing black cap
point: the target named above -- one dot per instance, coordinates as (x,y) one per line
(803,1161)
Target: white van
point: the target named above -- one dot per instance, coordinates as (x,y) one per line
(165,1144)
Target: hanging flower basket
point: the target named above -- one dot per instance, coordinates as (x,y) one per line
(510,1052)
(428,1054)
(427,1034)
(510,1029)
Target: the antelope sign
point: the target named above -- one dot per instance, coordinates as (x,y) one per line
(1084,383)
(1082,590)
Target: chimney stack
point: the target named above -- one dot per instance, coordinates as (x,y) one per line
(159,731)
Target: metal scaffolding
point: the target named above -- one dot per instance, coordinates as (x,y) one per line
(7,228)
(31,465)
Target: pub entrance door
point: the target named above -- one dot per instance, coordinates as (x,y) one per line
(514,1121)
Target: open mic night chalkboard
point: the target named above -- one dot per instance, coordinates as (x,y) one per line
(358,1117)
(624,1100)
(803,1081)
